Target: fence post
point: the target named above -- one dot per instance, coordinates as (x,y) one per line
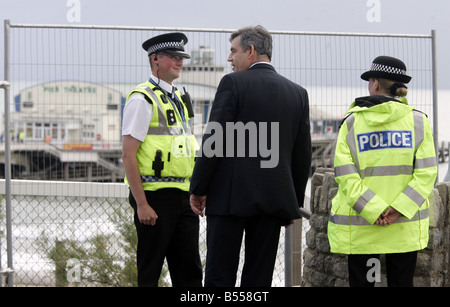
(10,271)
(288,256)
(293,251)
(435,90)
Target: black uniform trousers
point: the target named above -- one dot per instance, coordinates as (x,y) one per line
(224,240)
(174,237)
(399,269)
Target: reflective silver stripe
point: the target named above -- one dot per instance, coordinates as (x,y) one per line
(165,131)
(162,179)
(418,128)
(345,170)
(348,220)
(424,163)
(351,139)
(363,200)
(414,195)
(357,220)
(391,170)
(162,128)
(162,120)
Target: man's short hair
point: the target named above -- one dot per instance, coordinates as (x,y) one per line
(257,36)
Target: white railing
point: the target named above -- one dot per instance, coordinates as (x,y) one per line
(64,188)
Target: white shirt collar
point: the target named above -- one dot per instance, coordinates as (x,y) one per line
(163,84)
(260,63)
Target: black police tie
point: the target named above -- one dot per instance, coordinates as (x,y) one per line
(175,100)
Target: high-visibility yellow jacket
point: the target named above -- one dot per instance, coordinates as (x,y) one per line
(171,137)
(385,157)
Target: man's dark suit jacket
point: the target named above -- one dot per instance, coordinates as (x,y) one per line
(238,185)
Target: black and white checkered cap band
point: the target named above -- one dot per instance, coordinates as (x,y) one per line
(166,45)
(387,69)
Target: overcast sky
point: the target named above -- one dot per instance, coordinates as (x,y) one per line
(373,16)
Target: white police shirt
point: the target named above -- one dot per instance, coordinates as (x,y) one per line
(138,113)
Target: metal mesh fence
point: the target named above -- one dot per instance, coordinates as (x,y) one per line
(68,89)
(61,239)
(73,241)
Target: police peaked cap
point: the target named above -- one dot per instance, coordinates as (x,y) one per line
(387,67)
(170,43)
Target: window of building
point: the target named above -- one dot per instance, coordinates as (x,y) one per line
(29,130)
(38,131)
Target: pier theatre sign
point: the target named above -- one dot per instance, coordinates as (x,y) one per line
(70,89)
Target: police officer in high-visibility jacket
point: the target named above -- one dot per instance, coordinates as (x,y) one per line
(385,165)
(159,150)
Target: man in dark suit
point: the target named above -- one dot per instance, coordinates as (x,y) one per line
(253,170)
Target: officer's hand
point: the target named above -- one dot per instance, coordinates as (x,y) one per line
(391,215)
(147,215)
(381,221)
(291,223)
(198,203)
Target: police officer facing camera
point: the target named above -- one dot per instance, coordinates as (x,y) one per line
(158,154)
(385,165)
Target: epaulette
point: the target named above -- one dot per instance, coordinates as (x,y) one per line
(148,99)
(344,119)
(421,112)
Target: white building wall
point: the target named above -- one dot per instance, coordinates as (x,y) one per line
(69,112)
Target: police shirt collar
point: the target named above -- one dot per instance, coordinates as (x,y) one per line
(169,88)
